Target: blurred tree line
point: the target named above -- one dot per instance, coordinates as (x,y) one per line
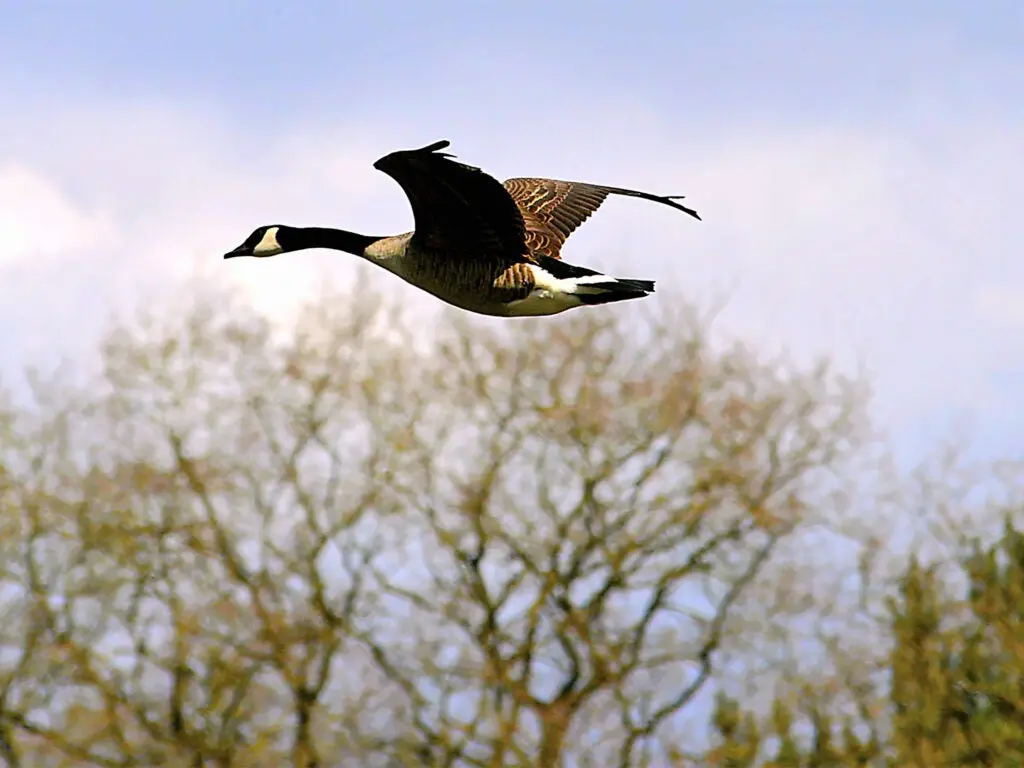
(593,541)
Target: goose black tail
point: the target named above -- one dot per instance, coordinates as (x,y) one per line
(613,289)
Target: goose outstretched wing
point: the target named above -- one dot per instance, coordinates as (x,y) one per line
(458,209)
(553,209)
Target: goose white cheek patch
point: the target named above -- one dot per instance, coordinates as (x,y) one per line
(268,245)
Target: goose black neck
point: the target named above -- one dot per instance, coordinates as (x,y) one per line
(335,239)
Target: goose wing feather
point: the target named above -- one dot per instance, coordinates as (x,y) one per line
(553,209)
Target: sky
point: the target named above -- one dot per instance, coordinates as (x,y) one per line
(857,165)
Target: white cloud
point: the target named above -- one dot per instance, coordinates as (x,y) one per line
(38,220)
(1001,304)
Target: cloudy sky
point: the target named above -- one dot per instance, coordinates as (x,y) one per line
(857,165)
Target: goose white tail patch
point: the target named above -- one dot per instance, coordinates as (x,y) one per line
(545,281)
(551,295)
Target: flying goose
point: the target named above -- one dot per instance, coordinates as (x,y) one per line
(480,245)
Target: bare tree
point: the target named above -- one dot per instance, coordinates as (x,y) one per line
(359,544)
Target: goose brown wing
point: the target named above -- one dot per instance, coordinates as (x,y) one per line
(553,209)
(457,208)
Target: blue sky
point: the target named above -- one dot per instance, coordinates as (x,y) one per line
(279,62)
(856,164)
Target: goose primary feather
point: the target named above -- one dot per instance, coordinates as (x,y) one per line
(477,244)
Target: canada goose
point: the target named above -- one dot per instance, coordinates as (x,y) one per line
(479,245)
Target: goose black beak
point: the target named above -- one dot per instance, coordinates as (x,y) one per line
(239,251)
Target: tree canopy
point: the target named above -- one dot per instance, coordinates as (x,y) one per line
(532,543)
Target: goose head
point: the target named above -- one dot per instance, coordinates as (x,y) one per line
(268,240)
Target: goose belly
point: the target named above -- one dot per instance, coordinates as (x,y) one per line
(470,284)
(540,303)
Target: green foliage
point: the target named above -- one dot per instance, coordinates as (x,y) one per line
(956,671)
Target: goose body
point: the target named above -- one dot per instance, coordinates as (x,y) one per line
(478,244)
